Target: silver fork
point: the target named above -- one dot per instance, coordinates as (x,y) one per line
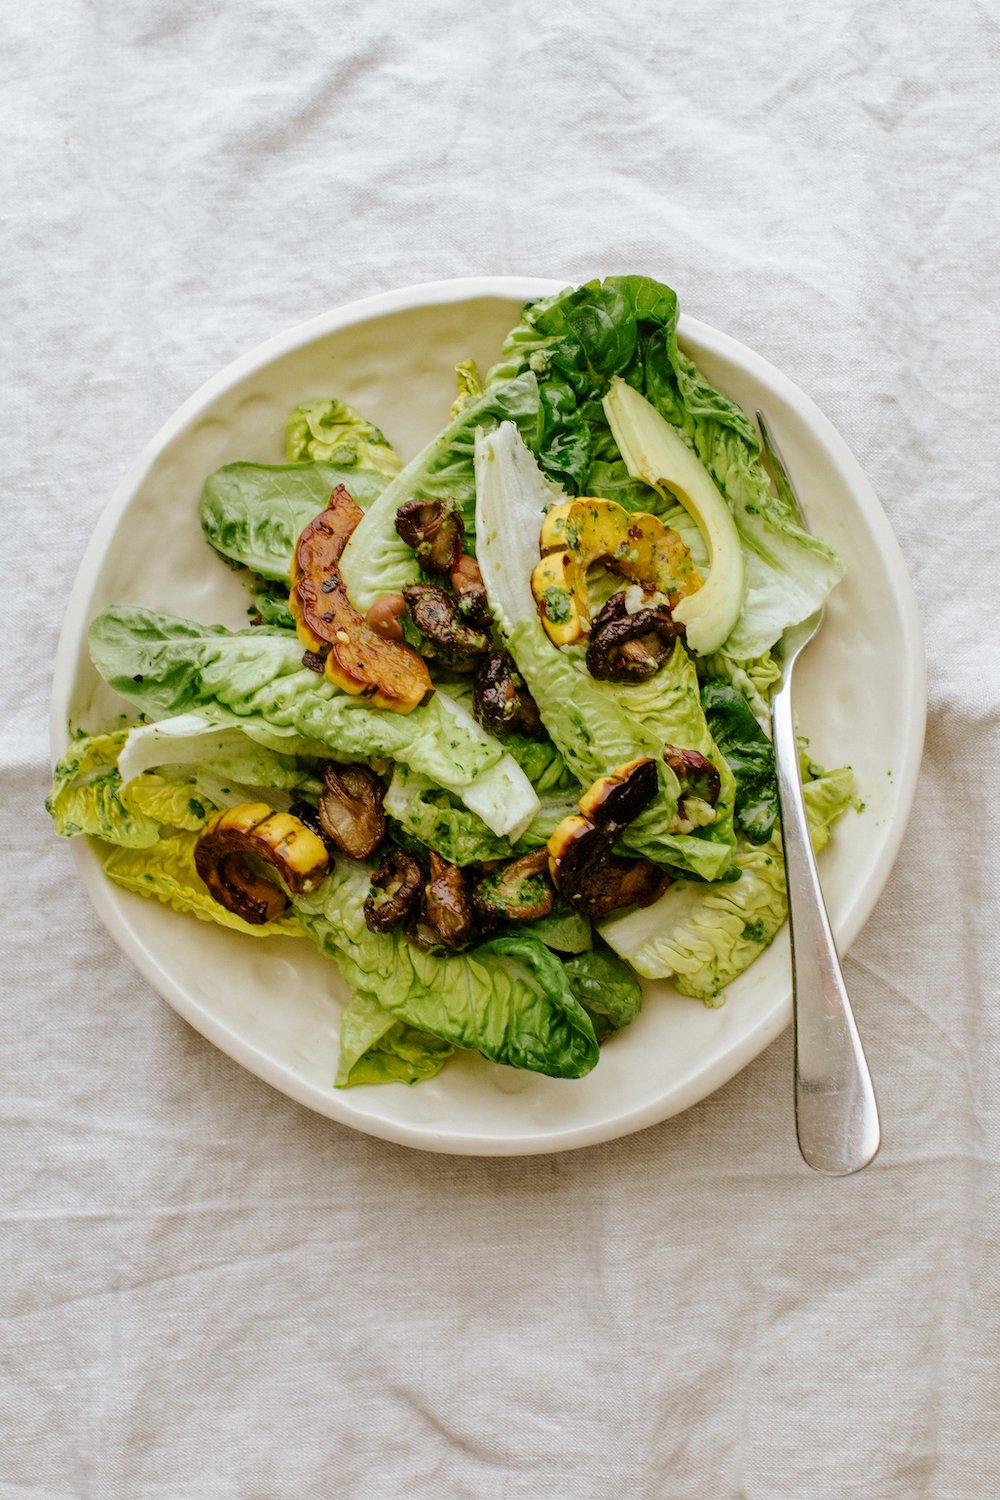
(836,1116)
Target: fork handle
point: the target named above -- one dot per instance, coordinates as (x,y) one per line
(836,1116)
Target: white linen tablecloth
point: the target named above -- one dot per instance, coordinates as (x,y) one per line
(209,1292)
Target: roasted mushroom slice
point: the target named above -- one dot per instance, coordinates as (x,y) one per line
(434,529)
(585,870)
(518,891)
(436,616)
(591,878)
(252,831)
(445,918)
(474,608)
(618,798)
(395,891)
(501,702)
(627,647)
(350,809)
(695,772)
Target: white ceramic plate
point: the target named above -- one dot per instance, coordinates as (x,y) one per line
(272,1004)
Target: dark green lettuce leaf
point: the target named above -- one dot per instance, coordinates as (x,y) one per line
(508,998)
(606,988)
(750,756)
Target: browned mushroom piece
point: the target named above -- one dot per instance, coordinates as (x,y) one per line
(436,616)
(434,529)
(445,916)
(627,647)
(501,702)
(350,809)
(254,831)
(695,772)
(466,575)
(474,608)
(591,878)
(583,867)
(621,796)
(383,616)
(395,891)
(518,891)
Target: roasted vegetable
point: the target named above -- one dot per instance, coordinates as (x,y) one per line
(396,887)
(501,701)
(618,798)
(580,532)
(252,830)
(434,529)
(445,917)
(356,658)
(466,574)
(586,872)
(350,809)
(695,772)
(629,647)
(384,616)
(436,615)
(518,891)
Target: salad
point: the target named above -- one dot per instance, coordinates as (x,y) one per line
(495,737)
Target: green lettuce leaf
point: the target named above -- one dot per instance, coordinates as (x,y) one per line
(508,998)
(335,433)
(426,812)
(255,679)
(376,1048)
(606,988)
(750,755)
(254,514)
(167,872)
(564,930)
(376,560)
(627,326)
(86,795)
(703,936)
(196,742)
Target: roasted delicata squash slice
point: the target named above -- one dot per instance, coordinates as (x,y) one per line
(578,533)
(240,845)
(354,656)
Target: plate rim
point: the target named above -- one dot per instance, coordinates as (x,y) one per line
(334,1104)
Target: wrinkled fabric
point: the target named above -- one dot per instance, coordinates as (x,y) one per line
(207,1291)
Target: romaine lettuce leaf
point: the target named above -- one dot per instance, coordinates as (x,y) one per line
(86,795)
(376,1048)
(194,740)
(564,930)
(335,433)
(376,560)
(508,998)
(255,679)
(606,988)
(167,872)
(254,514)
(703,936)
(750,755)
(431,815)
